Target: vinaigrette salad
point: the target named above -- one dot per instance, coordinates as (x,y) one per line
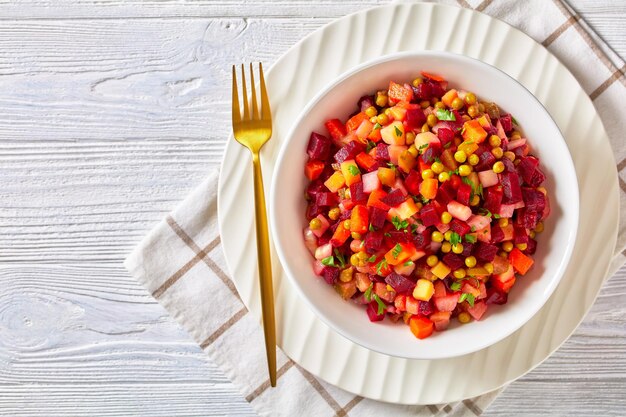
(424,205)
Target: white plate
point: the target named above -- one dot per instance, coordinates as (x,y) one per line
(320,58)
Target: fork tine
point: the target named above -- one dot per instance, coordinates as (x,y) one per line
(246,113)
(255,110)
(265,103)
(236,110)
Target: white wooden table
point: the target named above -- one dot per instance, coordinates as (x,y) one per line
(110,113)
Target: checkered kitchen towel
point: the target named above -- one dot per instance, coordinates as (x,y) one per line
(181,260)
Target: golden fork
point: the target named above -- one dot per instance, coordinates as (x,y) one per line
(253,130)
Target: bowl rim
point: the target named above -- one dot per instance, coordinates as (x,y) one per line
(574,210)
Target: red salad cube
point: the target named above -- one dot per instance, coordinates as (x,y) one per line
(318,147)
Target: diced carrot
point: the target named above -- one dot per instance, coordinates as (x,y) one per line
(365,161)
(428,188)
(313,169)
(335,182)
(406,161)
(449,96)
(473,131)
(374,200)
(350,172)
(374,135)
(359,219)
(398,92)
(340,236)
(433,77)
(336,129)
(387,176)
(355,121)
(406,209)
(421,327)
(521,263)
(399,253)
(398,112)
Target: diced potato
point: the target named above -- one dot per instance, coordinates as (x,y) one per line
(423,290)
(440,270)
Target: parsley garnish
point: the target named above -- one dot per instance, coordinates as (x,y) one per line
(424,199)
(368,292)
(371,228)
(470,238)
(354,170)
(396,251)
(380,265)
(398,131)
(371,258)
(467,297)
(484,212)
(381,306)
(387,234)
(424,146)
(370,145)
(455,286)
(329,261)
(408,263)
(377,126)
(414,228)
(340,258)
(399,224)
(437,159)
(447,145)
(455,238)
(443,114)
(473,228)
(390,165)
(514,121)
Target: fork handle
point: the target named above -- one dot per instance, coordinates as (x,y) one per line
(265,269)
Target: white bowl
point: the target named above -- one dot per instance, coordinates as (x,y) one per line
(339,100)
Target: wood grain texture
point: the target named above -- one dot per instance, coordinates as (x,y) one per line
(110,113)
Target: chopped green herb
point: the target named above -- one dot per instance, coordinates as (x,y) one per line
(381,306)
(480,190)
(443,114)
(398,131)
(483,211)
(390,165)
(370,145)
(380,265)
(354,170)
(470,238)
(399,224)
(424,146)
(368,292)
(473,228)
(329,261)
(408,263)
(414,228)
(424,199)
(447,145)
(371,228)
(514,120)
(437,159)
(455,286)
(496,216)
(396,251)
(340,258)
(371,258)
(455,238)
(467,297)
(377,126)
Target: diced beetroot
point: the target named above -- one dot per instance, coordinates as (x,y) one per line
(399,283)
(429,215)
(531,247)
(318,147)
(325,199)
(345,215)
(349,151)
(463,194)
(497,234)
(538,178)
(425,308)
(433,151)
(445,135)
(445,193)
(493,198)
(415,118)
(373,241)
(485,252)
(423,91)
(509,166)
(366,102)
(533,199)
(412,182)
(527,218)
(441,320)
(460,227)
(436,89)
(453,260)
(421,240)
(485,159)
(330,274)
(377,217)
(526,168)
(356,193)
(468,248)
(507,122)
(520,234)
(315,187)
(372,312)
(394,198)
(313,210)
(447,303)
(399,236)
(478,310)
(495,296)
(511,190)
(382,152)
